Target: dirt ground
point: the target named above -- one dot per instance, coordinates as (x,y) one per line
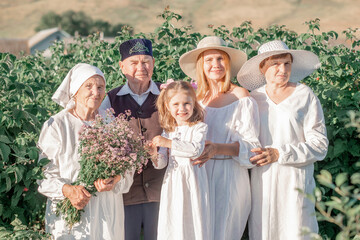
(18,18)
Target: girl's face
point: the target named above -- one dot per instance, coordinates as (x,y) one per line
(214,65)
(181,107)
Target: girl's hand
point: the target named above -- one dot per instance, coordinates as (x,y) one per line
(264,156)
(103,185)
(152,149)
(77,195)
(209,151)
(160,141)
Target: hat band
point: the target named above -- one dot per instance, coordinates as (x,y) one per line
(211,45)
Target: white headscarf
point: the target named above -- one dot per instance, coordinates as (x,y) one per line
(72,82)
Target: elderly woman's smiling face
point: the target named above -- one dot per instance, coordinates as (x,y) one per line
(277,70)
(91,93)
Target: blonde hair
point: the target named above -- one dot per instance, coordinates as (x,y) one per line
(203,85)
(167,121)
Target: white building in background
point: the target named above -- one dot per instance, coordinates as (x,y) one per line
(45,38)
(41,41)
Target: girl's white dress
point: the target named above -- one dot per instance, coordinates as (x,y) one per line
(103,216)
(184,208)
(295,127)
(230,200)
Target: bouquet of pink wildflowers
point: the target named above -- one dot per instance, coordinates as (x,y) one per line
(108,147)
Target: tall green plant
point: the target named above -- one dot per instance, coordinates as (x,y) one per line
(21,112)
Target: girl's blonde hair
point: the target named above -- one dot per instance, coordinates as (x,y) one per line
(203,85)
(167,122)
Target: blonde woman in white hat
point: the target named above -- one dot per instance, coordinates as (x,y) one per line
(293,136)
(81,94)
(232,118)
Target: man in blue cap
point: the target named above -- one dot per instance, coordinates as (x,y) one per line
(139,95)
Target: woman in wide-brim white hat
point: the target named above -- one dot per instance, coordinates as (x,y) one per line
(293,137)
(232,117)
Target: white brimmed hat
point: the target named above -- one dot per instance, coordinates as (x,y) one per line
(188,60)
(304,63)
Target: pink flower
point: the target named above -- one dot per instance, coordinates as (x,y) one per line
(193,84)
(164,85)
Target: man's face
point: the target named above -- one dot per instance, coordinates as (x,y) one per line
(138,68)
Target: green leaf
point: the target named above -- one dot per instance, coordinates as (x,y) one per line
(5,67)
(4,151)
(4,139)
(325,179)
(340,146)
(19,172)
(8,183)
(33,153)
(339,72)
(341,179)
(318,194)
(357,96)
(355,178)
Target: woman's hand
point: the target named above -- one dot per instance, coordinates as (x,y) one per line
(103,185)
(264,156)
(210,150)
(160,141)
(77,195)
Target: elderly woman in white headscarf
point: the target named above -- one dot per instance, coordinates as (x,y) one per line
(81,94)
(293,137)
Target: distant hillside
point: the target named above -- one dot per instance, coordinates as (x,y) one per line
(18,18)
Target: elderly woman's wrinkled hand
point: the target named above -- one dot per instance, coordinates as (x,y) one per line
(103,185)
(264,156)
(208,153)
(77,195)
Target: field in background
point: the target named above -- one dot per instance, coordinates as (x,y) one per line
(18,18)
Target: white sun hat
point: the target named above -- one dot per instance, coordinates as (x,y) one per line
(188,60)
(304,63)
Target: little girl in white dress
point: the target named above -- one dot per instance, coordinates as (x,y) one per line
(184,206)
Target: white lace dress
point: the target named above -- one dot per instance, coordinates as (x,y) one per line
(230,200)
(184,206)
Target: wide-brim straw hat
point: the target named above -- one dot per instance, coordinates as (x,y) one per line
(188,60)
(304,63)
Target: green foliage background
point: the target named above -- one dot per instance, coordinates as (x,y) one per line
(27,84)
(71,22)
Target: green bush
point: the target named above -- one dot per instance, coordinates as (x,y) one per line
(27,83)
(71,22)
